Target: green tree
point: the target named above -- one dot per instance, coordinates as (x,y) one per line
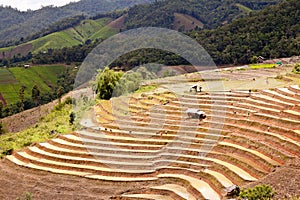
(21,96)
(254,59)
(72,118)
(35,94)
(105,82)
(1,128)
(59,93)
(1,109)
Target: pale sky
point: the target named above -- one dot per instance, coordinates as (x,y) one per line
(23,5)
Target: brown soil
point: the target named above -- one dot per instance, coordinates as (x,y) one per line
(186,21)
(23,50)
(285,180)
(118,23)
(23,120)
(16,180)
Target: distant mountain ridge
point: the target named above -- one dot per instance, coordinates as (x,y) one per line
(180,15)
(16,25)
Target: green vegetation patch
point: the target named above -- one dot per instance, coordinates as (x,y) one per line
(45,77)
(262,192)
(87,29)
(56,40)
(146,88)
(104,33)
(56,122)
(243,8)
(261,66)
(296,69)
(49,73)
(6,77)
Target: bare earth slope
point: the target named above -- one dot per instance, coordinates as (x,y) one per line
(16,180)
(260,143)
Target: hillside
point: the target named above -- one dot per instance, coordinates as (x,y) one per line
(25,88)
(16,26)
(211,13)
(271,33)
(179,15)
(87,30)
(11,79)
(248,137)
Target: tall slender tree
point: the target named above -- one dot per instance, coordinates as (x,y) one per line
(35,94)
(21,96)
(1,109)
(59,93)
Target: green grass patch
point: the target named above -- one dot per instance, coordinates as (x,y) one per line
(58,40)
(261,66)
(147,88)
(104,33)
(45,77)
(49,73)
(243,8)
(5,49)
(87,29)
(6,77)
(57,121)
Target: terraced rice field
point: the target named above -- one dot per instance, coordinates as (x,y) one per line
(150,139)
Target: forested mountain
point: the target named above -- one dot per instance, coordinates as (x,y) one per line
(272,33)
(212,13)
(16,25)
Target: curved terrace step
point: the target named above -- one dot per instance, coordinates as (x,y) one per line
(79,173)
(177,189)
(146,197)
(281,97)
(201,186)
(294,88)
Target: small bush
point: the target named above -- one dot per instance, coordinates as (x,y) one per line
(296,69)
(26,196)
(1,128)
(260,192)
(68,100)
(8,152)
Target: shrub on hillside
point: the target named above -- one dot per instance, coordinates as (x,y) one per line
(26,196)
(260,192)
(296,69)
(1,128)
